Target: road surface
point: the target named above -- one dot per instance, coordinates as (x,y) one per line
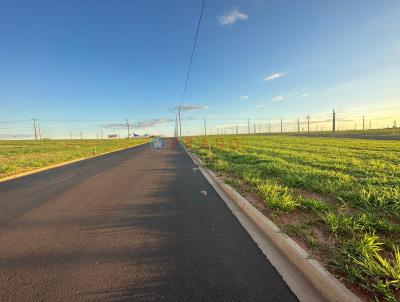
(128,226)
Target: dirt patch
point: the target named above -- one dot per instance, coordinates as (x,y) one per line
(362,294)
(328,200)
(257,202)
(322,237)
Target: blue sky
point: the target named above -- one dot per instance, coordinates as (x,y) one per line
(105,61)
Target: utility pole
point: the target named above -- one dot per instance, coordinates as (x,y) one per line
(254,128)
(308,124)
(40,134)
(80,133)
(179,118)
(281,125)
(237,130)
(101,134)
(333,122)
(269,127)
(298,125)
(34,128)
(363,123)
(129,130)
(176,125)
(248,126)
(205,127)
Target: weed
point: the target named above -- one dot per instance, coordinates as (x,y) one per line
(313,205)
(276,196)
(363,261)
(347,224)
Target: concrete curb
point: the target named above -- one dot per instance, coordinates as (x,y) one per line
(324,282)
(15,176)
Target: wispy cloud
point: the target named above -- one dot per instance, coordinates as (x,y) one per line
(305,94)
(274,76)
(232,17)
(115,126)
(277,98)
(244,97)
(191,107)
(139,124)
(152,122)
(18,135)
(260,106)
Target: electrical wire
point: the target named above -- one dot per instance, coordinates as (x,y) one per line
(190,65)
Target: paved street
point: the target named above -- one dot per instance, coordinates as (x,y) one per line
(131,225)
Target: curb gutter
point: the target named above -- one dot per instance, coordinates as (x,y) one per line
(11,177)
(324,282)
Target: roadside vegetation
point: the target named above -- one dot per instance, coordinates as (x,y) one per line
(386,133)
(26,155)
(339,198)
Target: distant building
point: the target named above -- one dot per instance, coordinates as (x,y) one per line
(112,136)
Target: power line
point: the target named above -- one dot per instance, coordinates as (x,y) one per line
(190,66)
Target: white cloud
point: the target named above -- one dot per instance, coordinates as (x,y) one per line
(191,107)
(305,94)
(274,76)
(140,124)
(260,106)
(277,98)
(244,97)
(151,123)
(232,17)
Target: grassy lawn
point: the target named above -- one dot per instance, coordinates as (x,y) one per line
(27,155)
(339,198)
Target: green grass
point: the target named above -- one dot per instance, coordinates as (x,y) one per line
(26,155)
(359,132)
(347,188)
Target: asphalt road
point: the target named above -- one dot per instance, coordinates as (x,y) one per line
(132,225)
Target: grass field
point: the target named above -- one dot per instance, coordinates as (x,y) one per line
(22,156)
(387,134)
(339,198)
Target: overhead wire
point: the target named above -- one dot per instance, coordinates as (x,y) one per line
(190,65)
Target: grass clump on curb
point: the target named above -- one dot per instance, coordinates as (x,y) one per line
(277,197)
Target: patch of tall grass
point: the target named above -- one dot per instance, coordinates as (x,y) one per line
(364,262)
